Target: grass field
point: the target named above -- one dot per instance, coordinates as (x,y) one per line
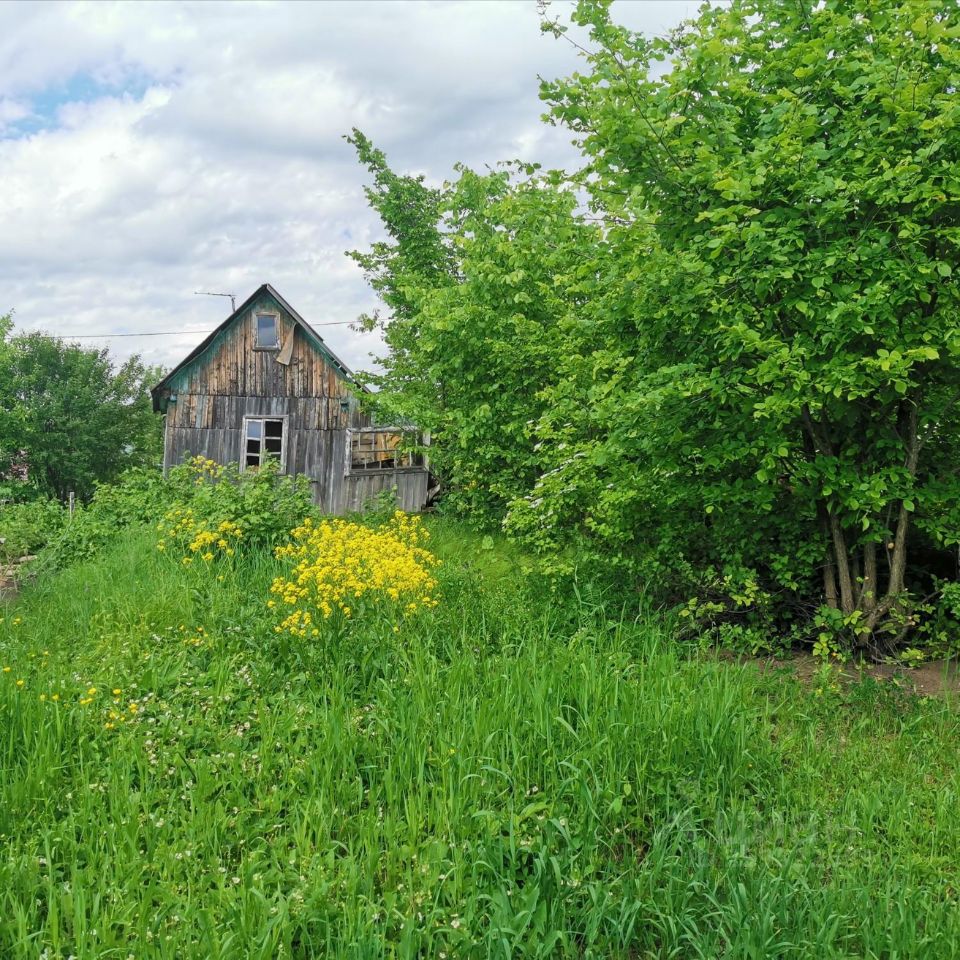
(516,773)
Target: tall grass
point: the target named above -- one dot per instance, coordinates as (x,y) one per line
(518,774)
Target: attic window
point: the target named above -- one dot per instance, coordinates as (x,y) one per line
(267,335)
(262,440)
(381,449)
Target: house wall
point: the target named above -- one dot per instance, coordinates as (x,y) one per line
(232,380)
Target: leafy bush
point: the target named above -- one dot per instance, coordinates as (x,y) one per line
(739,368)
(26,527)
(264,505)
(137,498)
(940,628)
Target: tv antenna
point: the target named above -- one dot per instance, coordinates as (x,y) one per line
(206,293)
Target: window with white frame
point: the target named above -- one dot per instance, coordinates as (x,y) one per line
(382,448)
(263,439)
(268,334)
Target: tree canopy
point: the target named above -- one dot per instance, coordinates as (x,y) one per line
(68,418)
(722,357)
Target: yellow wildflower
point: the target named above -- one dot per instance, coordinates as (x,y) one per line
(334,560)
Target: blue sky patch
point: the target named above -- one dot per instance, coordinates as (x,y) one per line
(82,87)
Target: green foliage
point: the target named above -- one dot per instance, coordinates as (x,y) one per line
(69,418)
(264,504)
(776,353)
(939,617)
(138,497)
(477,329)
(519,774)
(752,365)
(25,527)
(378,509)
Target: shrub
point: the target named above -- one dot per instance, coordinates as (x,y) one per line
(26,527)
(263,505)
(137,498)
(214,503)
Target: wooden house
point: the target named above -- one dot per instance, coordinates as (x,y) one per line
(264,384)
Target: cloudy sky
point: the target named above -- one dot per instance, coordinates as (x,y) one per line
(149,150)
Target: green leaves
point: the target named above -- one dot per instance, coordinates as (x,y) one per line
(758,342)
(476,335)
(70,417)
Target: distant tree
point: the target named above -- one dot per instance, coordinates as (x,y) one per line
(69,417)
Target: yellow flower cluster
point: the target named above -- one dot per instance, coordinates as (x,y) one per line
(179,526)
(204,469)
(340,567)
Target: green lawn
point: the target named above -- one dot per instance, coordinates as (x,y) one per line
(517,773)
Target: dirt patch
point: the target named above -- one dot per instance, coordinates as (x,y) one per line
(935,678)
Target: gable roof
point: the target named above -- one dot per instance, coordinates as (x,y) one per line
(311,335)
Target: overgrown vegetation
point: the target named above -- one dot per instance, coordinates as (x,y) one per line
(714,371)
(512,771)
(25,527)
(732,376)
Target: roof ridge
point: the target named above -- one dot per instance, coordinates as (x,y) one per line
(264,288)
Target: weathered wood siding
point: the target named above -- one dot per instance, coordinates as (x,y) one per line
(410,484)
(232,379)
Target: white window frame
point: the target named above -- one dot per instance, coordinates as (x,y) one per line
(257,314)
(284,420)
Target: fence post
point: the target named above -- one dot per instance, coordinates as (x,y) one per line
(71,502)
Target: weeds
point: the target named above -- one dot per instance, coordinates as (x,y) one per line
(510,774)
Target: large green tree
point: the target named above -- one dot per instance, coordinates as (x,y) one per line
(782,180)
(723,356)
(69,416)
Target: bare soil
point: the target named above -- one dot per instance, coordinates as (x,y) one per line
(935,678)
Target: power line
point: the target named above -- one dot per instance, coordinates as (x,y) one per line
(102,336)
(168,333)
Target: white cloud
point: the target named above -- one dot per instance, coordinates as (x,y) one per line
(151,150)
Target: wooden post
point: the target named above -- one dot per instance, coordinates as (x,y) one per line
(71,502)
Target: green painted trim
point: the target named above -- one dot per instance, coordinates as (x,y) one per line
(176,382)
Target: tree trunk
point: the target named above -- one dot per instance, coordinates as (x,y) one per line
(840,566)
(898,561)
(830,584)
(868,596)
(897,557)
(842,562)
(842,571)
(829,567)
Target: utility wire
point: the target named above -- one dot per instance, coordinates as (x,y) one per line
(169,333)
